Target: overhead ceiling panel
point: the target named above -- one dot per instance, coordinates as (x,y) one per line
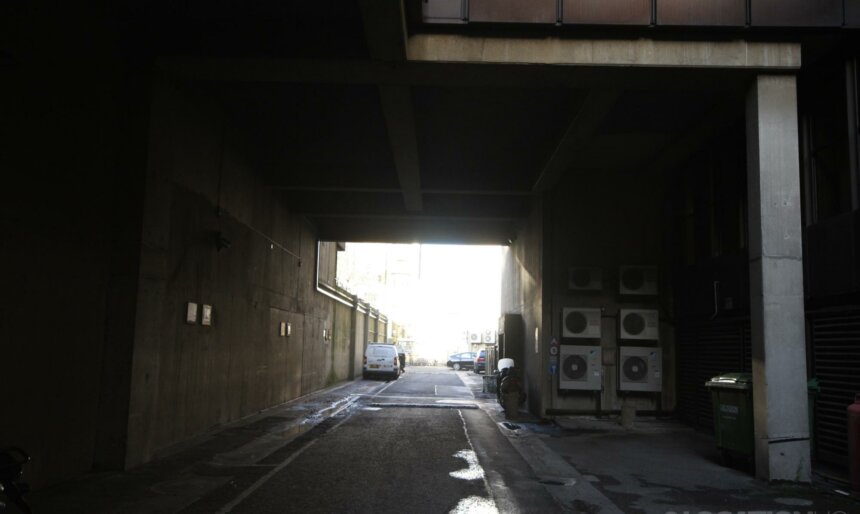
(488,138)
(316,135)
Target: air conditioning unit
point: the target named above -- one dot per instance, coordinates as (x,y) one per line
(637,280)
(581,368)
(585,279)
(580,323)
(639,324)
(488,337)
(474,337)
(640,369)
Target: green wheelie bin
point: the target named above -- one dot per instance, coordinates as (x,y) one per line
(731,394)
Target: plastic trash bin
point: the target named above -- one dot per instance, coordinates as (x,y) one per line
(731,394)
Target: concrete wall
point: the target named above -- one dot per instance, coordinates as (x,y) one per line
(523,294)
(187,377)
(72,125)
(589,220)
(607,219)
(342,366)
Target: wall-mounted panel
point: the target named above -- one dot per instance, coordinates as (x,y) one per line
(512,11)
(607,12)
(701,12)
(796,13)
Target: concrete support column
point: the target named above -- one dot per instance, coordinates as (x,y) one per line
(776,281)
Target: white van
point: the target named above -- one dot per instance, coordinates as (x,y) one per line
(381,359)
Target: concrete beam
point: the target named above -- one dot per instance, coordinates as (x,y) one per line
(382,190)
(596,106)
(602,52)
(403,230)
(400,121)
(435,73)
(776,281)
(384,29)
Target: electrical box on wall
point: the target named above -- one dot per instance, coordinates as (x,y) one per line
(639,324)
(637,280)
(580,323)
(640,369)
(585,279)
(581,368)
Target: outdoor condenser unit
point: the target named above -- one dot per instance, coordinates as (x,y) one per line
(639,324)
(640,369)
(585,279)
(580,323)
(637,280)
(580,368)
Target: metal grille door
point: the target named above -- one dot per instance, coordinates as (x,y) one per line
(707,349)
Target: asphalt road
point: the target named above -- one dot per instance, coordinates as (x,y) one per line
(405,448)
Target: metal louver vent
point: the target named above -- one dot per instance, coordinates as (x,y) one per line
(836,359)
(704,351)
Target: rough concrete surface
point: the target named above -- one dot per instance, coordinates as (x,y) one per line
(343,450)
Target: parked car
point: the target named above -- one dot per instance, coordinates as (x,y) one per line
(381,359)
(464,360)
(480,363)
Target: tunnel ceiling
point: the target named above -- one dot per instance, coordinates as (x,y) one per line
(370,147)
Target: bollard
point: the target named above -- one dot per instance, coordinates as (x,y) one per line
(854,442)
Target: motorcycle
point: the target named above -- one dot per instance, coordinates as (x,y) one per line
(12,462)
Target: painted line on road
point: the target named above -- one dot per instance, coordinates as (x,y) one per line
(492,506)
(427,405)
(265,478)
(434,398)
(386,386)
(262,480)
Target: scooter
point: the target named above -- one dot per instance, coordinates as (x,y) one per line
(510,390)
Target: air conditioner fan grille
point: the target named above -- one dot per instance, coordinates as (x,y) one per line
(634,323)
(574,367)
(576,322)
(635,369)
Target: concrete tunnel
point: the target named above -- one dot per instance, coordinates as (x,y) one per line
(160,156)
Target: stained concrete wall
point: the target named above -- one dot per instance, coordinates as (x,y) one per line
(341,357)
(608,219)
(72,126)
(188,377)
(523,294)
(575,225)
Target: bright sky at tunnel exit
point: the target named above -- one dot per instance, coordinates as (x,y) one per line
(439,292)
